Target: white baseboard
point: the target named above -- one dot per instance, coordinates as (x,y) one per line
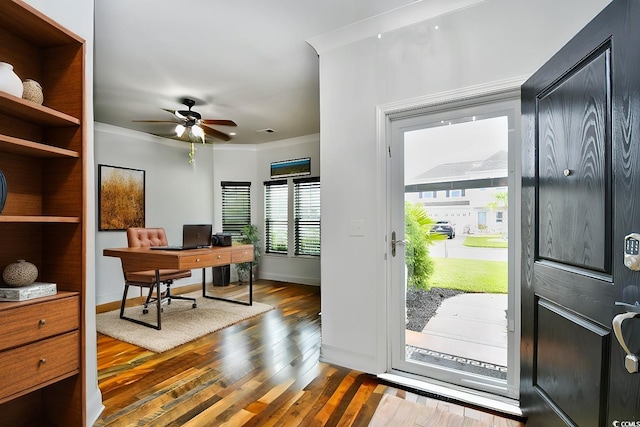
(94,406)
(292,279)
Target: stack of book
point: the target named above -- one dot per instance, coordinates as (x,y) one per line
(23,293)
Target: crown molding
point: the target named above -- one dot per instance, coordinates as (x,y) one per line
(412,13)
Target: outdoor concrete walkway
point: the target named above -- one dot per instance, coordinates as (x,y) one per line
(472,326)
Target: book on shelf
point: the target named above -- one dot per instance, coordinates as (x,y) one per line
(23,293)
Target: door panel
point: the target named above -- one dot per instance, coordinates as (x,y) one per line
(580,177)
(573,160)
(572,360)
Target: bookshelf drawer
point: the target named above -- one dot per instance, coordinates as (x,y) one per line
(33,321)
(39,364)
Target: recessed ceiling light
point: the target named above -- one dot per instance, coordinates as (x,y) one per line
(436,27)
(232,133)
(379,35)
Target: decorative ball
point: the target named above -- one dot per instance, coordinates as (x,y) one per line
(32,91)
(20,273)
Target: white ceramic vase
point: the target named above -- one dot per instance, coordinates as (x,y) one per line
(9,81)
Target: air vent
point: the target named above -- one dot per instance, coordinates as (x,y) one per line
(267,130)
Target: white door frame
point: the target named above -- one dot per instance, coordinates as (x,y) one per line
(463,98)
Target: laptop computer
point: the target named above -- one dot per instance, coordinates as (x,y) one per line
(194,236)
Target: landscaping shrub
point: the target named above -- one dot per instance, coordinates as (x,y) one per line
(417,234)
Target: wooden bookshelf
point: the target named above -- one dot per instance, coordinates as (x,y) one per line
(42,155)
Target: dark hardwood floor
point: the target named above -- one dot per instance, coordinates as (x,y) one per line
(261,372)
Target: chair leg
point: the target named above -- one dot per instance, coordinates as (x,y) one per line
(180,297)
(145,308)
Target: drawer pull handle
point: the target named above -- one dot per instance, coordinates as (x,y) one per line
(219,256)
(42,361)
(42,323)
(197,259)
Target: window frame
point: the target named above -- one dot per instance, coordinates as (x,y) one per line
(238,195)
(276,222)
(306,226)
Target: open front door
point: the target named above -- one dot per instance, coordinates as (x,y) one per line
(580,195)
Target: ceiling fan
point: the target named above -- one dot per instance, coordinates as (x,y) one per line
(191,127)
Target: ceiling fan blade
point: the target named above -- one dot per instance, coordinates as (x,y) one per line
(215,133)
(182,138)
(176,113)
(169,135)
(155,121)
(219,122)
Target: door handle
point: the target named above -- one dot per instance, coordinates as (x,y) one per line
(630,360)
(395,242)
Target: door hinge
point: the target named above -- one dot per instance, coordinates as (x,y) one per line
(389,149)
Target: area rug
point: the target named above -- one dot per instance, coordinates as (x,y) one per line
(180,322)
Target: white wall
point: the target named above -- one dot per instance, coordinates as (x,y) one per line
(492,41)
(252,163)
(305,270)
(77,16)
(176,193)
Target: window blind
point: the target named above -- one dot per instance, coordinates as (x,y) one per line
(306,194)
(236,207)
(276,207)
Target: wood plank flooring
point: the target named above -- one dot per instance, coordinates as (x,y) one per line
(261,372)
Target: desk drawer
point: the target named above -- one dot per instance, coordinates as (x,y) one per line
(241,255)
(33,322)
(207,259)
(39,363)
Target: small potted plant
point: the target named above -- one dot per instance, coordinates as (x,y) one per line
(250,235)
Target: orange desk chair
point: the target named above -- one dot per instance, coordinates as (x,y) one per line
(146,237)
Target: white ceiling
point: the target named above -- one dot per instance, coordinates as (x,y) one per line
(244,60)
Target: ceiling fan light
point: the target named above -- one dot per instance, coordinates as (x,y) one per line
(197,132)
(180,130)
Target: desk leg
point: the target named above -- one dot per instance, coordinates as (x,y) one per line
(158,305)
(158,298)
(251,284)
(235,301)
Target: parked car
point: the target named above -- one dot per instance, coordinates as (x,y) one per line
(444,227)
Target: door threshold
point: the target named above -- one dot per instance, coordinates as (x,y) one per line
(472,397)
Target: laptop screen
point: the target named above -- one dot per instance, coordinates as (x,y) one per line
(196,235)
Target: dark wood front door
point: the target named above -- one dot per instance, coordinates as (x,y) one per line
(581,197)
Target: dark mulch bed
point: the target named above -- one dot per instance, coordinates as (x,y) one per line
(422,305)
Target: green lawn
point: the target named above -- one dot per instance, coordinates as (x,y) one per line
(485,241)
(470,275)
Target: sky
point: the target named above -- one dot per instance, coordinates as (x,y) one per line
(449,143)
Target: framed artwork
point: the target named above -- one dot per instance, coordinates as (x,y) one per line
(295,167)
(120,198)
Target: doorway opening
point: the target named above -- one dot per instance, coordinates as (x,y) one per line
(457,310)
(452,185)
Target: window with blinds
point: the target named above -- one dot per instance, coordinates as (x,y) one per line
(236,207)
(276,207)
(306,195)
